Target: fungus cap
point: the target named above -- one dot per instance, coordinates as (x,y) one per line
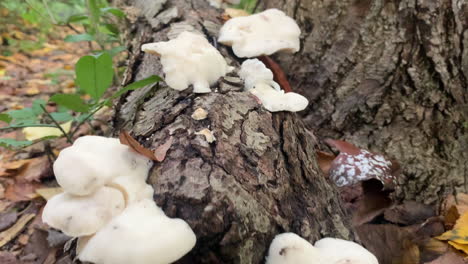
(83,215)
(141,234)
(92,161)
(264,33)
(344,251)
(259,81)
(289,248)
(189,59)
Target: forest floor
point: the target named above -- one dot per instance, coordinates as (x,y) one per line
(407,233)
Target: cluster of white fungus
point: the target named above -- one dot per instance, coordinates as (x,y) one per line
(259,81)
(189,59)
(106,199)
(289,248)
(260,34)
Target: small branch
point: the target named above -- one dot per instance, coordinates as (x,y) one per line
(54,21)
(69,138)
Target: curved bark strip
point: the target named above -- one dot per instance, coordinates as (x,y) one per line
(257,179)
(390,76)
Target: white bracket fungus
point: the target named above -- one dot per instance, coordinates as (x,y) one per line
(106,198)
(264,33)
(259,81)
(189,59)
(289,248)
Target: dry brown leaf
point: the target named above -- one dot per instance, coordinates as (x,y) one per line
(324,160)
(448,258)
(128,140)
(37,169)
(234,12)
(8,258)
(161,150)
(453,207)
(21,191)
(7,219)
(409,213)
(9,234)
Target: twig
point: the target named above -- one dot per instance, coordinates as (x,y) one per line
(44,2)
(85,119)
(69,138)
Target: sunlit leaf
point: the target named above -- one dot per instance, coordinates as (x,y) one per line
(94,74)
(34,133)
(70,101)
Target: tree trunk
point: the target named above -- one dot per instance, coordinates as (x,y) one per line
(390,76)
(257,179)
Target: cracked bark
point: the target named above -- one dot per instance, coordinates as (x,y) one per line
(390,76)
(259,178)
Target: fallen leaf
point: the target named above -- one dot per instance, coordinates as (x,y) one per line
(324,160)
(48,193)
(8,258)
(459,246)
(128,140)
(453,207)
(13,167)
(9,234)
(409,213)
(36,169)
(34,133)
(21,191)
(459,233)
(448,258)
(37,249)
(161,150)
(7,219)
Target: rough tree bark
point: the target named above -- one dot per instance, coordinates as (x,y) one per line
(259,178)
(390,76)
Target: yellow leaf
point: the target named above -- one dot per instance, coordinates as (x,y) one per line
(462,247)
(2,72)
(459,233)
(33,133)
(48,193)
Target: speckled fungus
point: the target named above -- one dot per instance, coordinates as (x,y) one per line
(189,59)
(289,248)
(260,34)
(259,81)
(106,199)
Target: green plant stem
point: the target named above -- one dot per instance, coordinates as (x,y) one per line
(27,125)
(51,15)
(69,138)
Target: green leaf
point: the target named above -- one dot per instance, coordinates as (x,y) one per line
(70,101)
(116,50)
(11,143)
(138,84)
(76,18)
(94,74)
(79,37)
(114,11)
(111,29)
(23,116)
(36,106)
(61,116)
(5,118)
